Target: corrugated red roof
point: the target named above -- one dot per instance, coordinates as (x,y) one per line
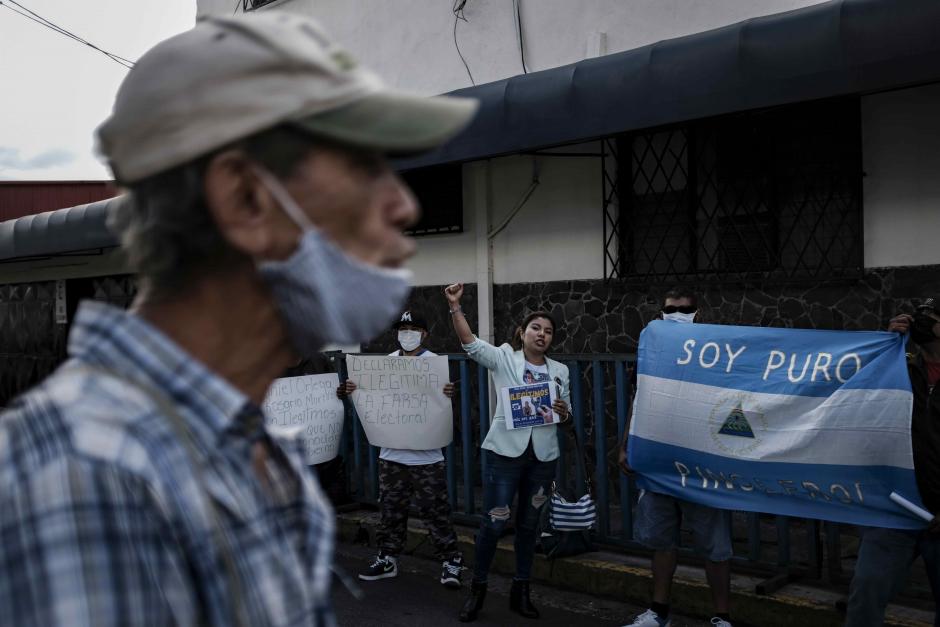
(24,198)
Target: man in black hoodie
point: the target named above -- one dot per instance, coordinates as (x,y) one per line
(885,555)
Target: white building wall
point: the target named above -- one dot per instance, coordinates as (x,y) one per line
(901,157)
(410,43)
(558,234)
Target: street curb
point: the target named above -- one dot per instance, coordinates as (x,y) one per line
(627,578)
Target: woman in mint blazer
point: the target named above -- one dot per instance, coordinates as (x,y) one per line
(521,461)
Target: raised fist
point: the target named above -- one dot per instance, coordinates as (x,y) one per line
(453,293)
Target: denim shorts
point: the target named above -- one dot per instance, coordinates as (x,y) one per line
(657,520)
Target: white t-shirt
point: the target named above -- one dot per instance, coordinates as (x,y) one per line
(535,374)
(409,457)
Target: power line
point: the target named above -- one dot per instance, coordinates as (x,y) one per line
(31,15)
(44,22)
(67,32)
(459,15)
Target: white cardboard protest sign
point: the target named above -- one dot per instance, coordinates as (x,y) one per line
(307,407)
(530,405)
(400,400)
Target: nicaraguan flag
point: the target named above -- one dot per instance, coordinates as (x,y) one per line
(805,423)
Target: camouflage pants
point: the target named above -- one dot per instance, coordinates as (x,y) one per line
(427,486)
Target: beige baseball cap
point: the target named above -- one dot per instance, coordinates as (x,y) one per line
(231,77)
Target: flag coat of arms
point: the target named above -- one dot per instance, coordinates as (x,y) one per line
(806,423)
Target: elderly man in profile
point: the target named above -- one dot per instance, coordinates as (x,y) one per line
(137,483)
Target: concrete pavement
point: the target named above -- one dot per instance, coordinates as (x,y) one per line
(416,599)
(603,575)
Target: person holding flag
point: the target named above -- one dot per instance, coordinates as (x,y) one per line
(658,518)
(885,555)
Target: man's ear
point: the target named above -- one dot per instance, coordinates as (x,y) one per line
(246,214)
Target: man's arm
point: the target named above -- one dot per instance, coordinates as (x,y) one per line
(902,324)
(622,451)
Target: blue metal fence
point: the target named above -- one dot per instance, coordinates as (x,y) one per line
(777,546)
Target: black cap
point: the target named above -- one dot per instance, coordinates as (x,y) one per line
(930,305)
(412,318)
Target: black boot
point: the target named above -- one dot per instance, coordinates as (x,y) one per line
(519,601)
(474,602)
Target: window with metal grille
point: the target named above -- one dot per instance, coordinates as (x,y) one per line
(439,191)
(770,194)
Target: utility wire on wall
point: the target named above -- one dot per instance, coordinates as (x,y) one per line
(458,16)
(23,11)
(525,70)
(526,195)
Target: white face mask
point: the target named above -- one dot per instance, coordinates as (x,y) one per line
(324,295)
(409,340)
(678,316)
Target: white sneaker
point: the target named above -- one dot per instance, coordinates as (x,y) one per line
(649,618)
(720,622)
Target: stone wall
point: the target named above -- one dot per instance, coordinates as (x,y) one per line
(594,316)
(430,302)
(32,345)
(599,317)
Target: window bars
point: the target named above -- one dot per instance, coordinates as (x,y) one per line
(764,195)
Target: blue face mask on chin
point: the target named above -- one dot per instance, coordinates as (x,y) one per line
(324,295)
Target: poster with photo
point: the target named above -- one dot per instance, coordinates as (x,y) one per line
(530,405)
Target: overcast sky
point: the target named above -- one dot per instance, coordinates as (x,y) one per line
(54,92)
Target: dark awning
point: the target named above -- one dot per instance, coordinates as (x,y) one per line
(836,48)
(75,229)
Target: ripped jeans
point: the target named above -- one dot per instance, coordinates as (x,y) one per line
(505,477)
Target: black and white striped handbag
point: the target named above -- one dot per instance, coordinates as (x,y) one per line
(577,516)
(567,525)
(580,515)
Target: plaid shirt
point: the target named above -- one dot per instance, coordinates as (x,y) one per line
(107,517)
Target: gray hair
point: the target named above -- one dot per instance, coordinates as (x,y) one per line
(165,227)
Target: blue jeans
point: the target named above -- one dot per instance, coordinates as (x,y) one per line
(531,479)
(884,561)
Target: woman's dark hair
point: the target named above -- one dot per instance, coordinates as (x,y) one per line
(516,342)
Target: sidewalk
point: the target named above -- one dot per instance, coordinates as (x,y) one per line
(416,599)
(625,578)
